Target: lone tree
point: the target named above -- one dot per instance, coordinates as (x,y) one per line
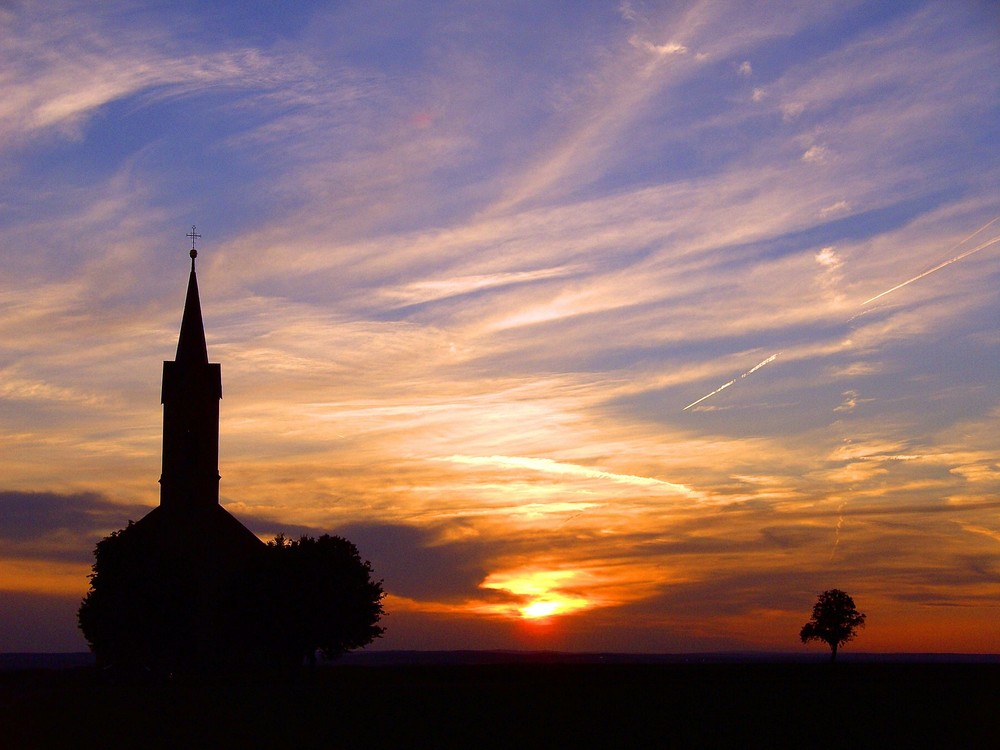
(835,621)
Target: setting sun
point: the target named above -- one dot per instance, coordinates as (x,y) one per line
(541,593)
(540,609)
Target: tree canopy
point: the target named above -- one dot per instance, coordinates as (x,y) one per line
(140,610)
(157,607)
(310,595)
(835,621)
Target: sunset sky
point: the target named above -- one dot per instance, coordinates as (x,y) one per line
(598,326)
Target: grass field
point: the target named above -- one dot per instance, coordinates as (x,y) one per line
(517,705)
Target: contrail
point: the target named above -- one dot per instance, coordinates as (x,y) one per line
(840,524)
(938,267)
(717,390)
(757,366)
(751,371)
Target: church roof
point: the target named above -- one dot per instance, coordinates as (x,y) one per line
(210,535)
(191,346)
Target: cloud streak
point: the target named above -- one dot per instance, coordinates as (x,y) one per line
(549,466)
(459,262)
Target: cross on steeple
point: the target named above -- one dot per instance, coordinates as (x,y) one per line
(193,234)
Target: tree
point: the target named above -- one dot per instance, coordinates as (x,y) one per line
(155,607)
(312,595)
(835,621)
(142,607)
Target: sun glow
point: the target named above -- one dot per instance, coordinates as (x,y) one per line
(541,593)
(540,608)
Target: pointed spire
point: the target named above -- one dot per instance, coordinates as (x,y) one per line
(191,346)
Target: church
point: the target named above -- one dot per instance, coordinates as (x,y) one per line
(166,589)
(187,587)
(189,481)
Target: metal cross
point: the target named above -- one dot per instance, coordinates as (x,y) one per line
(193,234)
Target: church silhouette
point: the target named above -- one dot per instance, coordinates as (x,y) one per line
(189,507)
(188,588)
(166,589)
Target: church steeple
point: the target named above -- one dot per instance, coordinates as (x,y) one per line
(190,546)
(191,346)
(192,387)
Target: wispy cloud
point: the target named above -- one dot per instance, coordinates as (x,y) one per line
(462,284)
(62,65)
(553,467)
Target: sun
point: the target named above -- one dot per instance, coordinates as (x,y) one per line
(543,593)
(540,609)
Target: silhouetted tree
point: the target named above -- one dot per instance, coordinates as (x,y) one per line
(153,607)
(141,610)
(835,621)
(313,595)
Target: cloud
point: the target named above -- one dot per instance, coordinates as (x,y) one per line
(460,297)
(834,208)
(549,466)
(416,563)
(627,11)
(831,276)
(828,258)
(660,50)
(849,403)
(60,526)
(64,66)
(816,155)
(48,542)
(791,110)
(434,290)
(745,69)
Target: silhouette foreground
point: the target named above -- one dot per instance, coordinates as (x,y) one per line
(528,705)
(188,587)
(835,621)
(151,609)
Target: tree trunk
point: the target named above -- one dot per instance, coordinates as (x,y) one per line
(833,652)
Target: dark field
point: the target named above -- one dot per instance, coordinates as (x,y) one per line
(518,705)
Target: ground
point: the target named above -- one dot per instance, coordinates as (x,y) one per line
(524,704)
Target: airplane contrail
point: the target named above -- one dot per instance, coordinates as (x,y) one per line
(717,390)
(938,267)
(749,372)
(757,366)
(840,525)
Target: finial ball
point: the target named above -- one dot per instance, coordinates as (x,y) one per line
(193,234)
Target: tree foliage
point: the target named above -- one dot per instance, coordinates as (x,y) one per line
(835,621)
(159,609)
(313,595)
(140,607)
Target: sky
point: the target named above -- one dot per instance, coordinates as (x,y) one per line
(597,326)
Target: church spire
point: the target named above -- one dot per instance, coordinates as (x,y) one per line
(191,346)
(192,387)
